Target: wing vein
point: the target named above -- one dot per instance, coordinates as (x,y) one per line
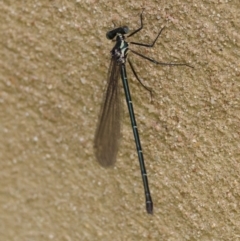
(107,136)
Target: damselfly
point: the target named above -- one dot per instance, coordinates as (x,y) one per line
(107,135)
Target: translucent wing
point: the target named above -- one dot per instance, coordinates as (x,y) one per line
(107,136)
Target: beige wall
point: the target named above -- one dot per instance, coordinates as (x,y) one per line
(53,65)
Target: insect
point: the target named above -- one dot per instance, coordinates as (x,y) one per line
(107,134)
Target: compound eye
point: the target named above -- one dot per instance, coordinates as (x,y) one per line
(112,34)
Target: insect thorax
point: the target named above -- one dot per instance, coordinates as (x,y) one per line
(120,49)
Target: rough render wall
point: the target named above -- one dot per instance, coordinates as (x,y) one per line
(53,66)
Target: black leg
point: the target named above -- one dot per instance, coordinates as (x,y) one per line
(135,74)
(160,63)
(137,30)
(149,45)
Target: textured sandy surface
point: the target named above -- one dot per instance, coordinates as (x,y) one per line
(53,66)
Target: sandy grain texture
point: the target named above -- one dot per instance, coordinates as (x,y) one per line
(53,66)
